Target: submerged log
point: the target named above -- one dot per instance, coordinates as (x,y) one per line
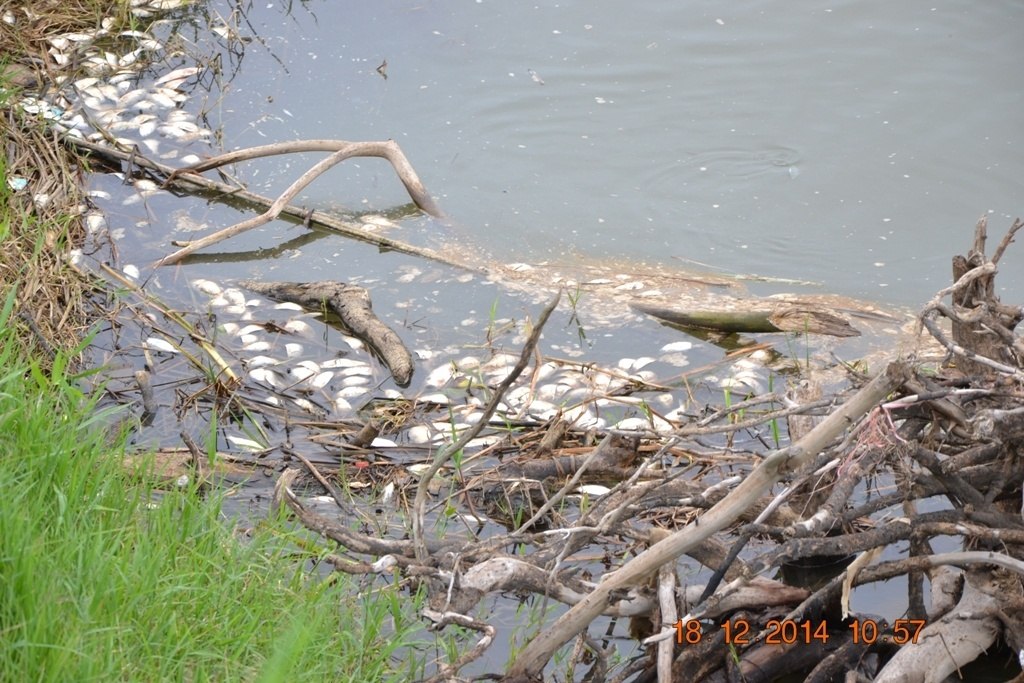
(352,305)
(778,317)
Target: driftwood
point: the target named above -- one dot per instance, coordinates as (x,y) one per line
(352,305)
(779,317)
(980,322)
(534,657)
(340,150)
(175,178)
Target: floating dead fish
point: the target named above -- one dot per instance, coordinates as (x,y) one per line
(131,97)
(344,363)
(260,346)
(266,376)
(178,76)
(162,100)
(321,380)
(95,222)
(363,369)
(161,345)
(207,286)
(131,271)
(440,376)
(677,346)
(419,434)
(234,296)
(298,327)
(306,405)
(593,490)
(301,373)
(287,306)
(353,343)
(293,349)
(247,444)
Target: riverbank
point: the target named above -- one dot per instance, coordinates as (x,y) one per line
(106,575)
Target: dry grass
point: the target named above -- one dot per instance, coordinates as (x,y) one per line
(42,222)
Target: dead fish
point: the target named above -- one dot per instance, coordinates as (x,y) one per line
(178,76)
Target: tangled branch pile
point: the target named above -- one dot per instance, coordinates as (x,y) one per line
(914,457)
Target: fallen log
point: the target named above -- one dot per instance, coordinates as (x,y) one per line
(352,305)
(779,317)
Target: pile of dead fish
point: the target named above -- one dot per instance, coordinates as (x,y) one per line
(290,363)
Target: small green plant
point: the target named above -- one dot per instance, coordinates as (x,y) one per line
(492,317)
(774,423)
(574,319)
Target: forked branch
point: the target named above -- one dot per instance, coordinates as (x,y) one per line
(341,150)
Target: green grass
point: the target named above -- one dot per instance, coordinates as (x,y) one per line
(105,578)
(102,578)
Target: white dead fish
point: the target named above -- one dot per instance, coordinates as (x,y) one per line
(677,346)
(207,286)
(287,306)
(162,100)
(260,346)
(178,76)
(418,434)
(298,327)
(131,97)
(321,380)
(95,222)
(161,345)
(351,392)
(418,469)
(440,376)
(344,363)
(247,444)
(593,490)
(306,405)
(266,376)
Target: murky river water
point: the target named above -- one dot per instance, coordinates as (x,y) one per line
(852,144)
